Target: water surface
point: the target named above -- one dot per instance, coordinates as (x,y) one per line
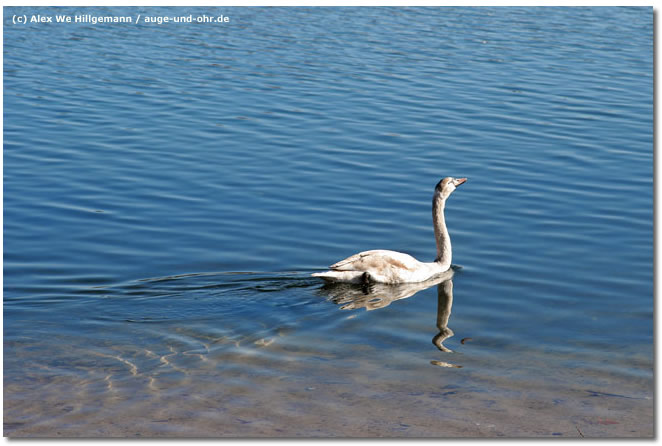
(168,189)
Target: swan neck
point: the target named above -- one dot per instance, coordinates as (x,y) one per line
(444,251)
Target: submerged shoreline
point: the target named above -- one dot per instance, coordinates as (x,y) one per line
(309,380)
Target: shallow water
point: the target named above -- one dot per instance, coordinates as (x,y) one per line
(168,189)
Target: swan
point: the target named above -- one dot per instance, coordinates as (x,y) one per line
(384,266)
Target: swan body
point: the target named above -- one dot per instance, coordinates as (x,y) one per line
(384,266)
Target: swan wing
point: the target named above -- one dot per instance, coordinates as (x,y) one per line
(377,260)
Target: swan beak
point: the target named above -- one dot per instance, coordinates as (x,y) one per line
(460,181)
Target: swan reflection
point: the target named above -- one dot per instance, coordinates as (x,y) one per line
(379,295)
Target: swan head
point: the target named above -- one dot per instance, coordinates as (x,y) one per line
(447,186)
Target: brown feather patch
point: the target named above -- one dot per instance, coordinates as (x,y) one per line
(397,264)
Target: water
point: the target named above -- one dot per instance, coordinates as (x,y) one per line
(168,189)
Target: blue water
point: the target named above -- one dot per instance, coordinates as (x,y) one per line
(168,189)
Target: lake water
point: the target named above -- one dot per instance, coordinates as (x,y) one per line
(169,189)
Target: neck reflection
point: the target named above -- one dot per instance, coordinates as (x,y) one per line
(444,305)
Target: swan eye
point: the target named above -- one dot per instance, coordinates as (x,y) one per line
(443,183)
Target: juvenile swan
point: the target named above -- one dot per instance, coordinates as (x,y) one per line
(385,266)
